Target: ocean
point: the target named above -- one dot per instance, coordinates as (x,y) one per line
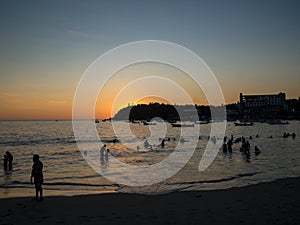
(66,172)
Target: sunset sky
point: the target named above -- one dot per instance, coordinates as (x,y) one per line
(251,46)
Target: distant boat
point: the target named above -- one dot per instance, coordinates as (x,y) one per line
(172,121)
(278,122)
(149,123)
(134,121)
(115,140)
(182,124)
(202,122)
(238,123)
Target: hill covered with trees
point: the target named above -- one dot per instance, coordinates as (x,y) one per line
(171,112)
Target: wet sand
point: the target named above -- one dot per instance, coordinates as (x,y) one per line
(275,202)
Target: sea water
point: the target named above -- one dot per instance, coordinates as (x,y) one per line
(66,172)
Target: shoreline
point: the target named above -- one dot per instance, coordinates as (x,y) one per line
(275,202)
(18,192)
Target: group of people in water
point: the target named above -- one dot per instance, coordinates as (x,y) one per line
(36,173)
(245,148)
(287,134)
(104,162)
(227,146)
(7,161)
(162,142)
(104,153)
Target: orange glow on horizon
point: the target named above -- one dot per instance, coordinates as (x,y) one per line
(152,99)
(128,79)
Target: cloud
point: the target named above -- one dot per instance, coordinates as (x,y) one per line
(8,94)
(52,102)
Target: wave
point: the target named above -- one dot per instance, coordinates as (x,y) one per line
(77,177)
(216,180)
(38,142)
(67,140)
(22,184)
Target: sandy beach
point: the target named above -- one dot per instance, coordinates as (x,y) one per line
(275,202)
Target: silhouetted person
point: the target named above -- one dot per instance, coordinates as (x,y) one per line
(5,160)
(294,135)
(104,161)
(285,135)
(102,151)
(163,143)
(146,144)
(106,154)
(257,151)
(247,149)
(213,139)
(242,149)
(182,140)
(224,148)
(243,139)
(9,159)
(37,174)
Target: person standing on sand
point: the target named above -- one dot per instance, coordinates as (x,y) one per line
(10,159)
(37,174)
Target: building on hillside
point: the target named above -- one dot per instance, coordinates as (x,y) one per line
(263,106)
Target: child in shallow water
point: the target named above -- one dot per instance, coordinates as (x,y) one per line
(37,174)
